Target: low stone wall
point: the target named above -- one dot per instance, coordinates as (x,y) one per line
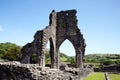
(9,70)
(1,60)
(107,76)
(18,71)
(109,68)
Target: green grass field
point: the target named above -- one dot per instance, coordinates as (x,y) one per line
(115,76)
(95,76)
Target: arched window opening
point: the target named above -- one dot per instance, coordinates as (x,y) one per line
(47,55)
(67,53)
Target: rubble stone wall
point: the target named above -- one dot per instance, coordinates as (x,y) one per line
(17,71)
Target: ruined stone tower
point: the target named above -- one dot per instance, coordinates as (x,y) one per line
(62,26)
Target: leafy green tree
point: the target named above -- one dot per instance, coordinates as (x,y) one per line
(33,58)
(5,47)
(47,57)
(12,53)
(108,62)
(71,60)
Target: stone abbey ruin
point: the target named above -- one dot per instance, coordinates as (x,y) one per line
(62,26)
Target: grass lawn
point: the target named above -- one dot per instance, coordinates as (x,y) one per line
(115,76)
(95,76)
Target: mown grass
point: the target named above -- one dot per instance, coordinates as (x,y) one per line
(95,76)
(114,76)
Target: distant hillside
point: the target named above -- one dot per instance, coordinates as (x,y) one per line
(63,58)
(105,59)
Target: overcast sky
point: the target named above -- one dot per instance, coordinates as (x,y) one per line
(98,20)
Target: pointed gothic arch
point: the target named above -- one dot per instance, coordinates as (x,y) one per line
(69,47)
(69,43)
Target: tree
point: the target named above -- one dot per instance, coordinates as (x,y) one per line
(10,51)
(71,60)
(33,58)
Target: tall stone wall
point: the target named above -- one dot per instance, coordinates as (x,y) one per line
(67,29)
(62,26)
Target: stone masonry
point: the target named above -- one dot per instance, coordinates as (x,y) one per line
(16,71)
(62,26)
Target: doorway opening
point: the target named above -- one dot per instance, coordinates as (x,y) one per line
(47,55)
(67,53)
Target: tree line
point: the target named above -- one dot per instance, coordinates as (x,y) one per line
(11,52)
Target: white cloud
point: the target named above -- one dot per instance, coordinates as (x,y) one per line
(1,29)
